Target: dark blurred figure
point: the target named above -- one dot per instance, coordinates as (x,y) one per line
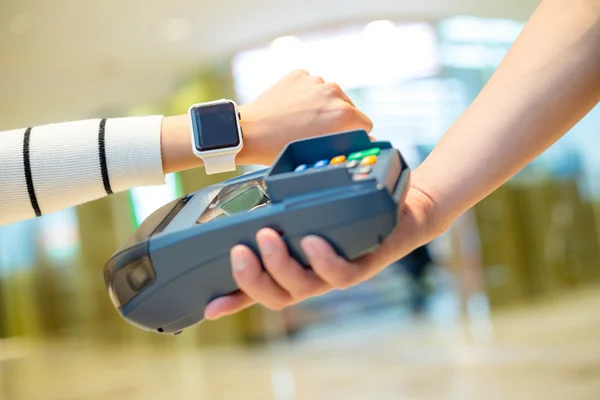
(416,265)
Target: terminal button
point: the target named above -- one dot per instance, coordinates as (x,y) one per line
(352,164)
(368,160)
(359,155)
(360,177)
(321,164)
(301,168)
(363,170)
(337,160)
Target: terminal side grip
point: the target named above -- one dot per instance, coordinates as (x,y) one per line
(401,187)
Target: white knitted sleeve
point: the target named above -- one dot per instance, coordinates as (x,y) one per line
(48,168)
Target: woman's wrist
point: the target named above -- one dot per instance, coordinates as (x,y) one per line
(176,147)
(176,144)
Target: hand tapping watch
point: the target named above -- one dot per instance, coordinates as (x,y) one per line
(216,134)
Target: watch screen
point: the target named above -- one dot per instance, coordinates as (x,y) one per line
(215,127)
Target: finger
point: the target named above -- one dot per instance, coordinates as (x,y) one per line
(318,79)
(355,119)
(227,305)
(336,90)
(346,98)
(254,281)
(364,121)
(328,265)
(373,138)
(300,283)
(298,73)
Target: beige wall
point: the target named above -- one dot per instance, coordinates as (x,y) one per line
(67,59)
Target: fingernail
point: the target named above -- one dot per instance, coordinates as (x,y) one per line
(311,246)
(238,261)
(267,246)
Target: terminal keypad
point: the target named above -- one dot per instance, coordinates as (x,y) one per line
(359,163)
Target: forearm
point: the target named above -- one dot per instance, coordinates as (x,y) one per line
(47,168)
(548,81)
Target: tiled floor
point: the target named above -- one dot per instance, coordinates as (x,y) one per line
(548,351)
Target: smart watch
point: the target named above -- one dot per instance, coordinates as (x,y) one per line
(216,134)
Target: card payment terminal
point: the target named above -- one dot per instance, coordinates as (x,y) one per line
(342,187)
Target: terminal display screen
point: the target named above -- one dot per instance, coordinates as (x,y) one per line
(235,199)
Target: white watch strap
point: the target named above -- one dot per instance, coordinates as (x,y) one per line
(218,163)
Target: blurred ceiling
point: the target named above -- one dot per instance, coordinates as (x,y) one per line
(66,59)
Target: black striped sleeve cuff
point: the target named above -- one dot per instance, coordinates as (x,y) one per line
(48,168)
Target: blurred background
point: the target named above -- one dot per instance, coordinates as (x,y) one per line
(503,305)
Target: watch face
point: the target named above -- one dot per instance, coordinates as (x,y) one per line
(215,127)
